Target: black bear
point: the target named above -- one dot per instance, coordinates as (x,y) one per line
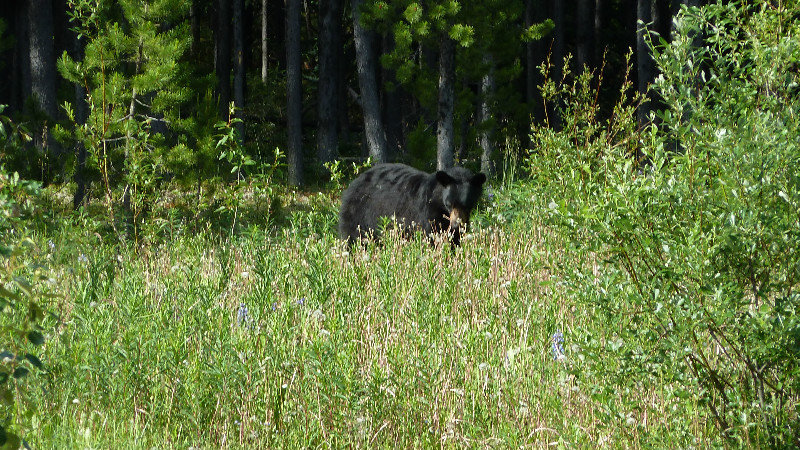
(441,201)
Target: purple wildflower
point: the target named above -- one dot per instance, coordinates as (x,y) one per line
(558,346)
(242,315)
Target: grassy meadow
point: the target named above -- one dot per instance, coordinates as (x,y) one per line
(280,336)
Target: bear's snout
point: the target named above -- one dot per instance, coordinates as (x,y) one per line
(459,218)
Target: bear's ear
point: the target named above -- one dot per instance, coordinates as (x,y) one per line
(478,179)
(444,179)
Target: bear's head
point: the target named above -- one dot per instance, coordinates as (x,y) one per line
(460,193)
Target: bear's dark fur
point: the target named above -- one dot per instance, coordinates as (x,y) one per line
(441,201)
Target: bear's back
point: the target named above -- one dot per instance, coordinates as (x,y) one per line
(386,190)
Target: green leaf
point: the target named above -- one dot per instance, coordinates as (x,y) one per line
(8,294)
(413,13)
(36,362)
(35,338)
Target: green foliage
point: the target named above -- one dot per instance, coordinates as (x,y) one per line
(260,185)
(17,200)
(286,338)
(13,138)
(691,257)
(144,124)
(341,174)
(23,297)
(486,30)
(17,196)
(6,42)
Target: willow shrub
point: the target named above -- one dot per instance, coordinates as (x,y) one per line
(693,256)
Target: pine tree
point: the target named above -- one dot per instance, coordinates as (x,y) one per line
(139,120)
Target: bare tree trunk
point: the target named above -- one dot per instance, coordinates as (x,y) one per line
(486,135)
(535,53)
(585,35)
(239,81)
(294,93)
(222,56)
(444,129)
(343,54)
(557,55)
(195,25)
(391,105)
(599,46)
(644,60)
(559,34)
(264,41)
(330,42)
(530,61)
(662,18)
(22,86)
(367,71)
(43,78)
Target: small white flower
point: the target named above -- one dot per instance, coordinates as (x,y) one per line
(317,315)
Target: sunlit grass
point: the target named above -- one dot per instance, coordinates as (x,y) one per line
(286,337)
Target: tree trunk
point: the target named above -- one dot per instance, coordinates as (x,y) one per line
(535,53)
(294,93)
(558,35)
(599,42)
(557,57)
(195,25)
(43,77)
(585,36)
(367,64)
(21,83)
(222,56)
(238,68)
(330,42)
(264,41)
(662,19)
(344,54)
(391,104)
(644,60)
(444,129)
(486,135)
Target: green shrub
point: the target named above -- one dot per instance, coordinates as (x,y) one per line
(694,258)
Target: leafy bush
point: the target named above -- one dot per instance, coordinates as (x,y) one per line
(21,323)
(21,308)
(693,259)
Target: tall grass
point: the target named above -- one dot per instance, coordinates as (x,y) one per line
(287,338)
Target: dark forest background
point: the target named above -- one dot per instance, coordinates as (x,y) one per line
(432,83)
